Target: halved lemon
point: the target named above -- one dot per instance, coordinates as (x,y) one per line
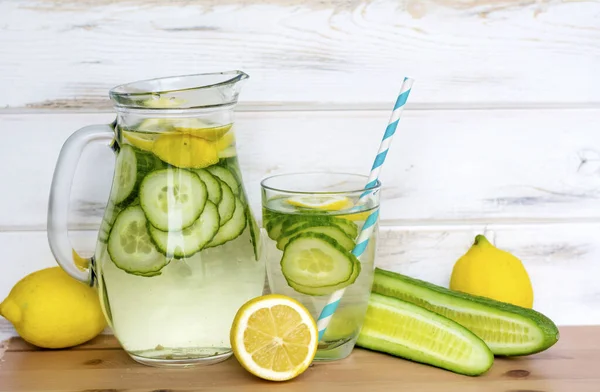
(321,202)
(274,337)
(185,151)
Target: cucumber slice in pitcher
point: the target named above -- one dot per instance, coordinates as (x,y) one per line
(131,166)
(227,205)
(255,235)
(226,176)
(408,331)
(316,260)
(172,199)
(190,240)
(130,246)
(213,185)
(232,229)
(507,329)
(334,232)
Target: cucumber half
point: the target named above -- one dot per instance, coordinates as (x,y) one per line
(130,247)
(507,329)
(172,199)
(190,240)
(316,260)
(405,330)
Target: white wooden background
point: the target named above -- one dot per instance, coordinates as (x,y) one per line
(501,134)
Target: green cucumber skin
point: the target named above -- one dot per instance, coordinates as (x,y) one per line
(331,242)
(373,342)
(433,297)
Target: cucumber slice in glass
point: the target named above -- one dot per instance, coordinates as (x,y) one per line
(172,199)
(408,331)
(316,260)
(213,185)
(332,231)
(130,246)
(190,240)
(227,205)
(226,176)
(231,229)
(327,290)
(507,329)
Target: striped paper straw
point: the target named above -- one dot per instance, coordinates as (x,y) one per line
(363,238)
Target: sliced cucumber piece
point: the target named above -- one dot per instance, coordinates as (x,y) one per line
(213,185)
(316,260)
(226,176)
(192,239)
(130,168)
(408,331)
(332,231)
(227,205)
(274,227)
(110,214)
(233,228)
(327,290)
(507,329)
(130,246)
(255,236)
(349,227)
(172,199)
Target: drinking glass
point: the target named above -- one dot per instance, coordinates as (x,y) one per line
(313,221)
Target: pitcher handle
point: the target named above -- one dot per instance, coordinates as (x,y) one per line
(60,192)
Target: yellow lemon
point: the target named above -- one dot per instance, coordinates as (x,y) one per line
(50,309)
(185,151)
(321,202)
(274,337)
(143,141)
(487,271)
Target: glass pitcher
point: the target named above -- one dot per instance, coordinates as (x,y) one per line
(178,250)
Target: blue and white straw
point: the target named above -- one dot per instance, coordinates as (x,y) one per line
(363,238)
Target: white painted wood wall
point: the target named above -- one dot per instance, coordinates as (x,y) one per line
(501,133)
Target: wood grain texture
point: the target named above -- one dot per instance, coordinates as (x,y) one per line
(444,165)
(562,259)
(59,54)
(570,366)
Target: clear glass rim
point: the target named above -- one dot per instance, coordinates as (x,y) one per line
(350,190)
(126,89)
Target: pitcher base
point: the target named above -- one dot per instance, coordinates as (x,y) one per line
(188,358)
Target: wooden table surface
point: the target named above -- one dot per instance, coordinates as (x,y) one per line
(572,365)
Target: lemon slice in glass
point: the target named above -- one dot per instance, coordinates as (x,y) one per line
(321,202)
(274,337)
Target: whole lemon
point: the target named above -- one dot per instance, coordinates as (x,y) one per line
(490,272)
(50,309)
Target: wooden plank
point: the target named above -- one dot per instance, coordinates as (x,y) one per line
(67,54)
(562,260)
(571,365)
(444,165)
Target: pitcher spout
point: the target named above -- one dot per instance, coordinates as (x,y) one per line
(198,91)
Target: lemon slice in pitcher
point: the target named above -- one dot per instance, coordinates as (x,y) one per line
(274,337)
(185,151)
(321,202)
(143,141)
